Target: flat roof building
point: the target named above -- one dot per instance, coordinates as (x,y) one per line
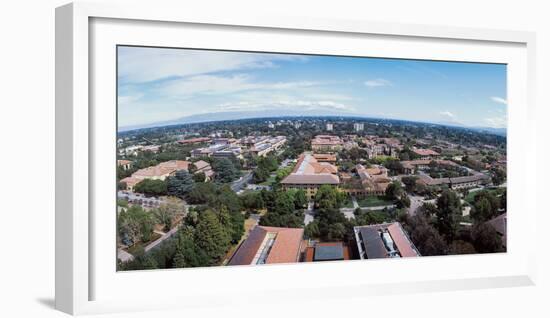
(387,240)
(328,251)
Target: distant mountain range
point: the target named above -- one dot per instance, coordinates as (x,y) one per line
(224,116)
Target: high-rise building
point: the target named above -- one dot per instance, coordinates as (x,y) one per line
(358,126)
(330,127)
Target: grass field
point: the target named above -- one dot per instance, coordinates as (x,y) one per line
(374,201)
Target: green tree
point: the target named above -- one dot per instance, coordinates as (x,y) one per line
(226,171)
(486,239)
(394,190)
(180,184)
(328,197)
(168,211)
(425,237)
(187,253)
(211,237)
(282,212)
(486,206)
(202,193)
(449,210)
(300,199)
(199,177)
(151,187)
(135,225)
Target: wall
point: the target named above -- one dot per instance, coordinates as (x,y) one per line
(27,130)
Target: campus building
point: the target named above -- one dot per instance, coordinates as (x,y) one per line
(358,126)
(192,141)
(373,181)
(269,245)
(326,143)
(425,154)
(309,175)
(387,240)
(329,251)
(124,164)
(158,172)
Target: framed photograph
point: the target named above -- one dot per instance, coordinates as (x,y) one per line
(259,158)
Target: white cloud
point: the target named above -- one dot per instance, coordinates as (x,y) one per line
(330,96)
(302,105)
(217,85)
(379,82)
(128,100)
(137,65)
(499,100)
(447,114)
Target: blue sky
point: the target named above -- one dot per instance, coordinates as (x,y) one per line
(157,84)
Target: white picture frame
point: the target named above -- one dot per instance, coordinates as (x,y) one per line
(78,147)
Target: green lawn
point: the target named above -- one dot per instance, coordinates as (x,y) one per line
(348,203)
(374,201)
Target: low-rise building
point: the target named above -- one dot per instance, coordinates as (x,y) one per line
(325,157)
(387,240)
(457,183)
(267,145)
(374,181)
(158,172)
(204,167)
(309,175)
(413,166)
(329,251)
(425,154)
(194,140)
(269,245)
(151,148)
(124,164)
(326,143)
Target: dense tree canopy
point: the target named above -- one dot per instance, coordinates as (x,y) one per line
(135,225)
(226,170)
(151,187)
(449,210)
(180,184)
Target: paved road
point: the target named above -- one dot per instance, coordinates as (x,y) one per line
(242,182)
(309,214)
(161,239)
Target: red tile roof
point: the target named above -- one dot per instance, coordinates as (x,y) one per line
(285,249)
(402,242)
